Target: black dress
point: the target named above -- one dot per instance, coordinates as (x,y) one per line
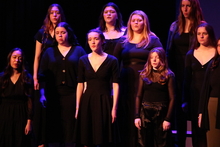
(59,74)
(193,80)
(39,119)
(94,126)
(154,105)
(132,60)
(15,110)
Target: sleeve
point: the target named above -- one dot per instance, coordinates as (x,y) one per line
(169,45)
(39,35)
(30,97)
(43,68)
(81,72)
(118,49)
(187,77)
(172,96)
(139,98)
(115,71)
(156,42)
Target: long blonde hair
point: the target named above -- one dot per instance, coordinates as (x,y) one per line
(146,30)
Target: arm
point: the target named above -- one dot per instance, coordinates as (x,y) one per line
(172,96)
(36,64)
(79,92)
(187,81)
(138,101)
(115,100)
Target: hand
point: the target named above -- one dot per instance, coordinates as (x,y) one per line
(28,128)
(43,101)
(76,114)
(36,84)
(114,115)
(137,123)
(185,107)
(199,120)
(166,125)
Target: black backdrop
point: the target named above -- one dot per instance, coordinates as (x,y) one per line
(21,19)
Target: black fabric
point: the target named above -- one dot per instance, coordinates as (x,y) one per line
(58,76)
(15,110)
(94,126)
(131,60)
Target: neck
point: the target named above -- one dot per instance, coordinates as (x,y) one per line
(65,45)
(109,27)
(15,72)
(137,37)
(97,53)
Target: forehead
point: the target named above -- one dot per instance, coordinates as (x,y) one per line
(93,34)
(109,8)
(54,8)
(154,54)
(60,29)
(136,16)
(185,2)
(202,29)
(16,53)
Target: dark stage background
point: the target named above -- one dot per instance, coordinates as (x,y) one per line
(21,19)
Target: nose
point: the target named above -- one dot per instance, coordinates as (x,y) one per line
(54,14)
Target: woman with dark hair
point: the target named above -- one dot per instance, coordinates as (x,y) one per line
(155,101)
(209,105)
(58,81)
(111,24)
(16,113)
(181,38)
(44,39)
(132,52)
(196,63)
(96,107)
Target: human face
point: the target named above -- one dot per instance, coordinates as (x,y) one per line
(137,23)
(54,15)
(16,59)
(218,46)
(186,8)
(202,36)
(110,15)
(61,35)
(94,41)
(155,60)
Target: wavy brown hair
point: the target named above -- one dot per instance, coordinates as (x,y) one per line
(47,25)
(196,17)
(163,70)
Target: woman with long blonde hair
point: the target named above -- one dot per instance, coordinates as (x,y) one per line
(132,52)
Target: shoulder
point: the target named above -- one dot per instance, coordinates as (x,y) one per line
(171,75)
(190,52)
(83,57)
(173,26)
(1,74)
(112,57)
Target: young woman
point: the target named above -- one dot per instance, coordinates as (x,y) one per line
(111,25)
(16,113)
(196,63)
(181,39)
(45,36)
(155,101)
(96,107)
(44,39)
(58,80)
(132,51)
(209,105)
